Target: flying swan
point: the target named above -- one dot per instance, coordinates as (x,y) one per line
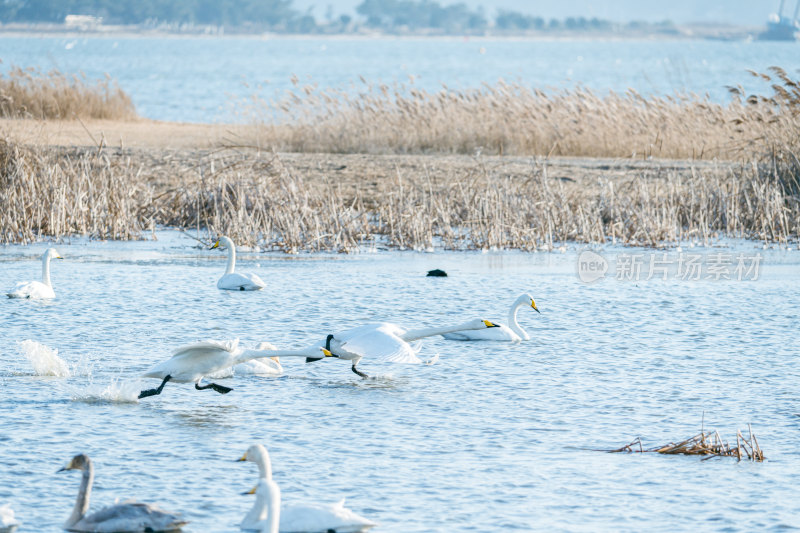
(234,281)
(128,516)
(38,290)
(193,362)
(268,515)
(263,366)
(502,332)
(385,341)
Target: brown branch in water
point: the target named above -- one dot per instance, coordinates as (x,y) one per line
(706,444)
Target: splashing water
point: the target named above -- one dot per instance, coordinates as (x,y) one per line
(117,391)
(45,361)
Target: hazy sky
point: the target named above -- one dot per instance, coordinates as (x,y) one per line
(744,12)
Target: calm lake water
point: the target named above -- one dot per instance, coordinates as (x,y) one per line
(206,79)
(490,437)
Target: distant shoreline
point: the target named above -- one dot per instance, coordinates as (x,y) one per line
(681,33)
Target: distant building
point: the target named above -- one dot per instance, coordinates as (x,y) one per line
(82,22)
(780,28)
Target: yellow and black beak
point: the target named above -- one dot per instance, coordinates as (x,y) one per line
(533,304)
(215,245)
(59,257)
(327,353)
(490,324)
(251,491)
(242,458)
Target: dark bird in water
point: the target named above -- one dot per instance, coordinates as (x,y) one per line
(437,273)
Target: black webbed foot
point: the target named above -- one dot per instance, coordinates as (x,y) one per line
(156,391)
(219,388)
(357,371)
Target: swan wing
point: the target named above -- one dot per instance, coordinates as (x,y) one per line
(240,282)
(193,361)
(321,517)
(379,345)
(130,517)
(206,346)
(34,290)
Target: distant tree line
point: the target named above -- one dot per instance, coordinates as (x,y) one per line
(393,16)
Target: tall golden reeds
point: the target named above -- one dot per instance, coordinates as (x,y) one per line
(31,93)
(260,200)
(512,119)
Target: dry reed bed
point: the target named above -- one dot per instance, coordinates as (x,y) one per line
(707,444)
(509,118)
(30,93)
(260,200)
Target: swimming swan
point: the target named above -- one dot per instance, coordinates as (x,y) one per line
(268,515)
(385,341)
(193,362)
(233,281)
(8,524)
(38,290)
(128,516)
(501,333)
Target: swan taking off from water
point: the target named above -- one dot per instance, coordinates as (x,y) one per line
(263,366)
(8,524)
(191,363)
(128,516)
(385,341)
(268,516)
(234,281)
(38,290)
(513,333)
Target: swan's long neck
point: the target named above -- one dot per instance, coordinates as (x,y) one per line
(82,503)
(512,319)
(247,355)
(416,334)
(46,269)
(264,464)
(265,515)
(231,257)
(273,498)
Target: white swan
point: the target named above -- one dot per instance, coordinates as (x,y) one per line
(191,363)
(38,290)
(264,366)
(234,281)
(513,333)
(8,524)
(268,515)
(385,341)
(128,516)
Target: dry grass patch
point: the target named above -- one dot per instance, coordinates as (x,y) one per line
(508,118)
(262,200)
(30,93)
(707,444)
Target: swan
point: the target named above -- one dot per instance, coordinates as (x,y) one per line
(193,362)
(38,290)
(385,341)
(8,524)
(264,366)
(502,332)
(268,515)
(233,281)
(128,516)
